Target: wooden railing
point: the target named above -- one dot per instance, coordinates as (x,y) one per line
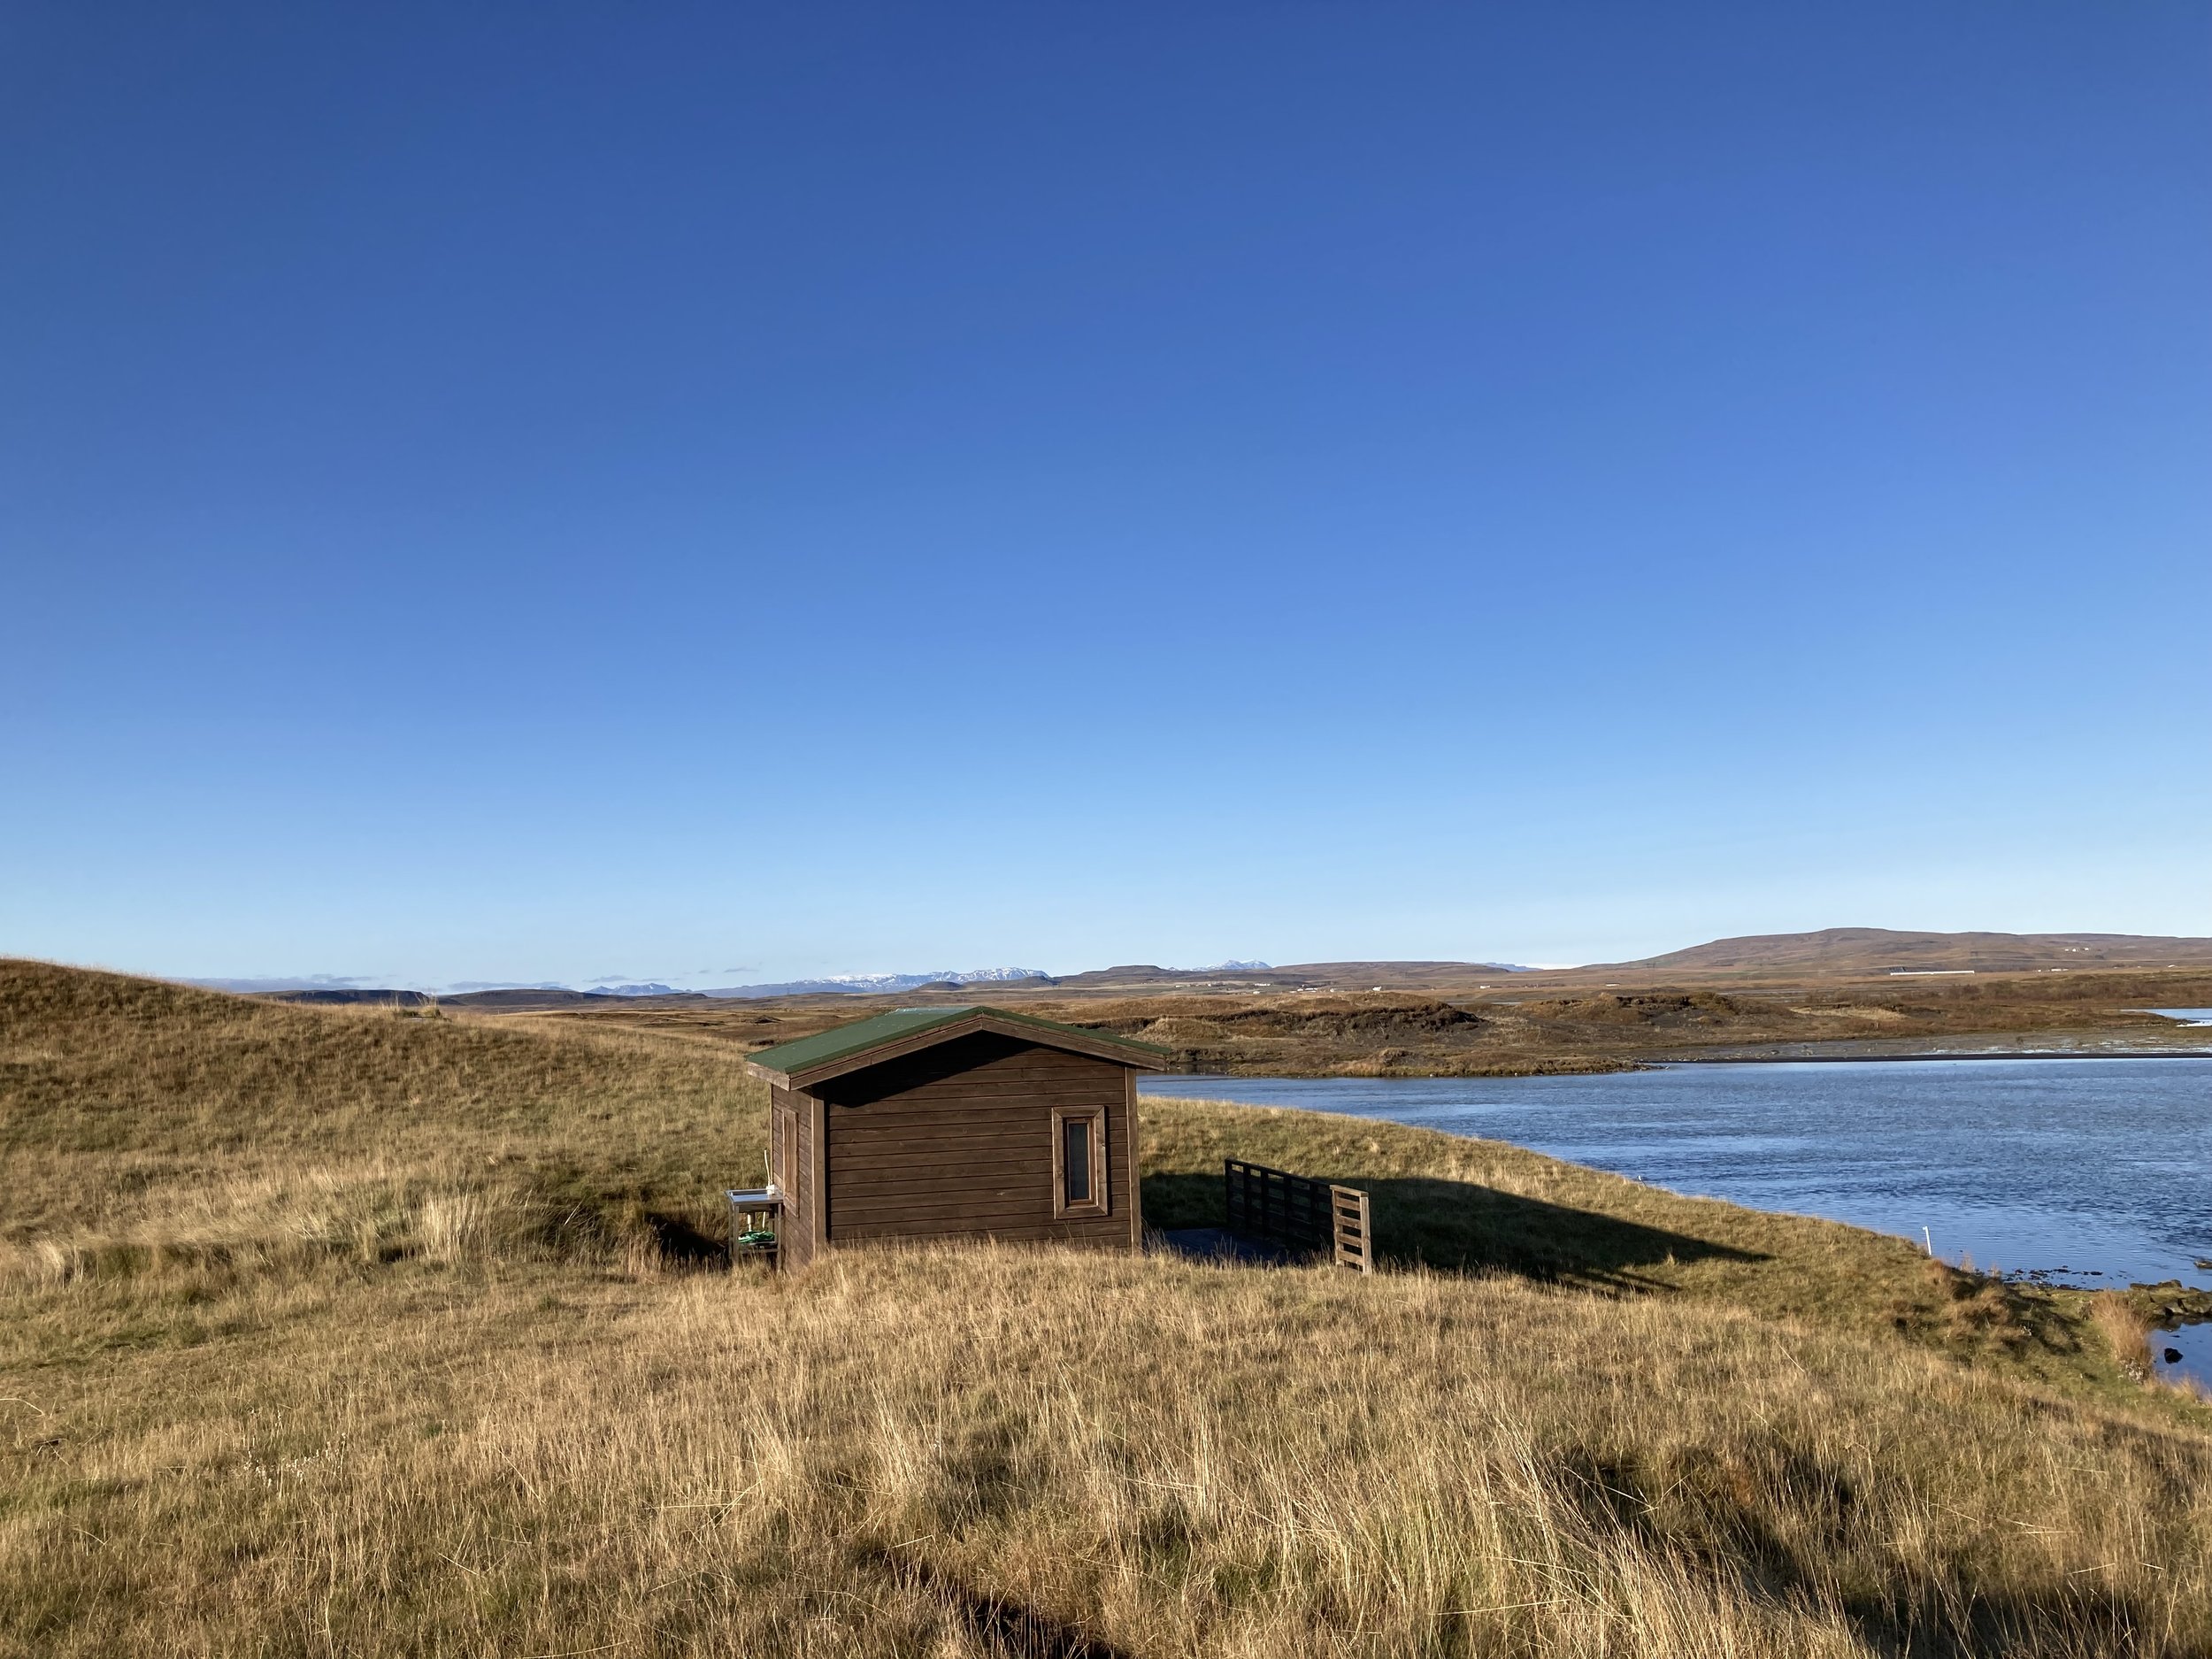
(1351,1235)
(1299,1211)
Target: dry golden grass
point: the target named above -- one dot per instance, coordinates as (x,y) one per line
(330,1333)
(2125,1329)
(964,1450)
(1450,1202)
(139,1118)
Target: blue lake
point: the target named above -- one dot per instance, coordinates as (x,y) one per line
(2093,1172)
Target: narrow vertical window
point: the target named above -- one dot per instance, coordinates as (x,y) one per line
(1079,1162)
(1075,1154)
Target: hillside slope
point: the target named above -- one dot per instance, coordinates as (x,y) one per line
(137,1115)
(331,1331)
(141,1119)
(1874,950)
(988,1453)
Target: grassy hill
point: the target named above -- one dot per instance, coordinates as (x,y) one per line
(141,1119)
(335,1330)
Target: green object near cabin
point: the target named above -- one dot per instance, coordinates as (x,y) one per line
(839,1041)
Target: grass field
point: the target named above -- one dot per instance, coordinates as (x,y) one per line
(335,1331)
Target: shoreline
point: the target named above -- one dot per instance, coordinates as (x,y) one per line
(1653,1063)
(1865,1059)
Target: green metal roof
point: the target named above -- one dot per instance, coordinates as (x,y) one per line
(842,1042)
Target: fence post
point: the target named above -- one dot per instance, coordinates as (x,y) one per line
(1299,1209)
(1350,1237)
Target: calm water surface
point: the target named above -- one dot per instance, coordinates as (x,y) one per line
(2091,1171)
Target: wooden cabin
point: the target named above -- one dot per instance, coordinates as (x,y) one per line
(940,1122)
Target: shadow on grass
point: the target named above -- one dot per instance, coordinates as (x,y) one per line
(1010,1628)
(1700,1507)
(1458,1226)
(684,1246)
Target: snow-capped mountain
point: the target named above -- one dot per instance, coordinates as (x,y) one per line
(880,984)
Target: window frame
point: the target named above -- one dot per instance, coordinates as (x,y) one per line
(1097,1203)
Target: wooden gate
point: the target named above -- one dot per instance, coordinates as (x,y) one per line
(1300,1211)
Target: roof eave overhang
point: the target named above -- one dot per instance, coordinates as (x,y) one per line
(1144,1059)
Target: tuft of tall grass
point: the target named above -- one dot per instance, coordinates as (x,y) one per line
(2124,1326)
(450,1225)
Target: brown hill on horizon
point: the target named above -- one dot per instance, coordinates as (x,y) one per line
(1886,951)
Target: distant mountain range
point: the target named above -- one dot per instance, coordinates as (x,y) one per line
(1230,975)
(1854,952)
(883,983)
(337,986)
(325,988)
(1308,976)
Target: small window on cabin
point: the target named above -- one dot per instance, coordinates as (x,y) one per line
(1079,1162)
(1076,1161)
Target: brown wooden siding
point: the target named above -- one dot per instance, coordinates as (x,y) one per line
(956,1141)
(795,1231)
(1134,1219)
(786,1155)
(778,1137)
(813,1202)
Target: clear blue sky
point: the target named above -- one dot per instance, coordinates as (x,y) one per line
(735,492)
